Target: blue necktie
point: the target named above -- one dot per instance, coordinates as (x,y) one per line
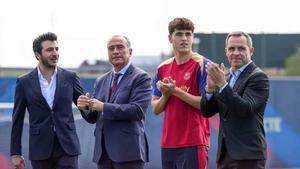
(232,80)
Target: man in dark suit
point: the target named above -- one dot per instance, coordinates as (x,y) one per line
(240,97)
(118,106)
(47,93)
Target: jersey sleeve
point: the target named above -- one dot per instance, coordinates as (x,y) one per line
(202,76)
(155,90)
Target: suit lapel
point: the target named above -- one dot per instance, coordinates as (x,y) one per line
(123,81)
(243,76)
(36,87)
(240,81)
(59,84)
(108,84)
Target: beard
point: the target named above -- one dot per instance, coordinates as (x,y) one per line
(48,63)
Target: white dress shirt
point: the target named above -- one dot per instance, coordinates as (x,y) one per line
(48,89)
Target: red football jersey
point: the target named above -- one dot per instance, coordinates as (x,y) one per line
(183,125)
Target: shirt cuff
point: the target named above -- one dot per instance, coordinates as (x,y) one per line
(208,96)
(222,88)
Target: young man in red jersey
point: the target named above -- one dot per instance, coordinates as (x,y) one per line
(177,88)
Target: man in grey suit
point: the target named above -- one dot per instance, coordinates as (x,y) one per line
(240,97)
(118,106)
(47,92)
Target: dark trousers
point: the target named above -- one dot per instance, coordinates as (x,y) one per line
(226,162)
(194,157)
(106,163)
(58,160)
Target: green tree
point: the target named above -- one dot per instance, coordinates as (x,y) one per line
(292,64)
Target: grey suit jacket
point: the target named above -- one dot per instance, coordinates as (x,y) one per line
(122,122)
(241,111)
(42,118)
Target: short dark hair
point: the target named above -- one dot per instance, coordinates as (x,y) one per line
(238,34)
(181,24)
(37,43)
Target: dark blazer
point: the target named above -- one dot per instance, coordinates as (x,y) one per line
(42,118)
(241,112)
(122,122)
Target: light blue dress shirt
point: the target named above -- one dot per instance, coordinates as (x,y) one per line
(122,72)
(234,75)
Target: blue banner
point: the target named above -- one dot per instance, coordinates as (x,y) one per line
(281,122)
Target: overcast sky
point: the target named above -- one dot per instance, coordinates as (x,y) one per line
(84,26)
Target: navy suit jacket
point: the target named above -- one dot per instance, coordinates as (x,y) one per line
(241,111)
(42,118)
(122,122)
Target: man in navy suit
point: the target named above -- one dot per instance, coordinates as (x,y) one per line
(118,106)
(47,92)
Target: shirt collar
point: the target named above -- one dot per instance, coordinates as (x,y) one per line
(41,75)
(239,71)
(124,69)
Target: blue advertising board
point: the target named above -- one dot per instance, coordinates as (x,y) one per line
(281,122)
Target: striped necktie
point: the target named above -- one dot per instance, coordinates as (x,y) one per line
(114,86)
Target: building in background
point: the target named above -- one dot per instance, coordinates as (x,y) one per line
(94,66)
(271,50)
(147,63)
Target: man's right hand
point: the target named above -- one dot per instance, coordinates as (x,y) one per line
(83,102)
(164,88)
(18,161)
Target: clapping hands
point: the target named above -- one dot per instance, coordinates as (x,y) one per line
(166,86)
(215,76)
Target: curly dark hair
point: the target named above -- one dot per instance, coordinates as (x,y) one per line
(37,43)
(181,24)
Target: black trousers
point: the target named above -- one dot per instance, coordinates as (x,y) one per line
(58,160)
(226,162)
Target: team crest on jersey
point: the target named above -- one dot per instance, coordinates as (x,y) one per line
(187,76)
